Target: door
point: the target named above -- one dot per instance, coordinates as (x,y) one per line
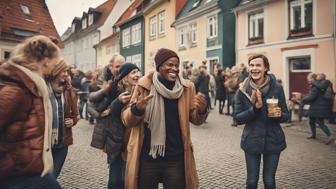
(299,68)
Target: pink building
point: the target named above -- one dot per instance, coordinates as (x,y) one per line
(298,37)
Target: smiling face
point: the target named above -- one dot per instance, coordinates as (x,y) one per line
(170,69)
(257,70)
(133,77)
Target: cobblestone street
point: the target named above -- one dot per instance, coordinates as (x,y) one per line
(305,164)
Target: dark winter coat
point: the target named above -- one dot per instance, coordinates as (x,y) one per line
(202,84)
(261,133)
(320,107)
(220,89)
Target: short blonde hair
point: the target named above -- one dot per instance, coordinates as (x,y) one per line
(33,50)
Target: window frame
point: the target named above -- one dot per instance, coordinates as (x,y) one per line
(90,19)
(253,17)
(303,30)
(193,30)
(25,9)
(136,33)
(182,33)
(84,23)
(153,26)
(213,23)
(162,22)
(126,41)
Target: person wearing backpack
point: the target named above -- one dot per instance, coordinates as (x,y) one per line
(320,108)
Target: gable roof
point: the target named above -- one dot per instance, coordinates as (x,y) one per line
(104,10)
(130,12)
(15,25)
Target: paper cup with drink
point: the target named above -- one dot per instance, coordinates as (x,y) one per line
(272,105)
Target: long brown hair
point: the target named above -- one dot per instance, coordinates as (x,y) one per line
(33,50)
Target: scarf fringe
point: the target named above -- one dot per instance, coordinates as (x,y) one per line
(157,150)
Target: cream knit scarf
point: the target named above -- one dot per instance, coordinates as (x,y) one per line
(43,90)
(155,115)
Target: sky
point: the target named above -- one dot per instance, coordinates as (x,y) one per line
(64,11)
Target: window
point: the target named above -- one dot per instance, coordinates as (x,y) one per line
(90,19)
(73,28)
(182,37)
(162,26)
(136,33)
(136,59)
(212,26)
(193,32)
(256,27)
(84,23)
(126,37)
(25,9)
(153,26)
(129,59)
(301,17)
(300,64)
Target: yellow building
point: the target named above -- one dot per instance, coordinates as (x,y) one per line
(159,15)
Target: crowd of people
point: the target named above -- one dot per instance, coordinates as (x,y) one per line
(141,123)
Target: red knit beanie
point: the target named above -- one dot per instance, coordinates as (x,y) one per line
(163,55)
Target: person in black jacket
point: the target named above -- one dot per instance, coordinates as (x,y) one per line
(220,90)
(320,107)
(262,135)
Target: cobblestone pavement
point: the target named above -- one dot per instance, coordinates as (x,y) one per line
(305,164)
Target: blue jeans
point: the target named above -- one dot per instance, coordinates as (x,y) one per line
(253,166)
(320,122)
(59,154)
(117,174)
(31,182)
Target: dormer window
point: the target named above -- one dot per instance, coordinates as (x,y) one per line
(25,9)
(90,19)
(73,28)
(84,21)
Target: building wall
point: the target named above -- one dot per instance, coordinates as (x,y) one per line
(80,52)
(166,41)
(277,48)
(193,54)
(133,49)
(214,45)
(6,47)
(106,50)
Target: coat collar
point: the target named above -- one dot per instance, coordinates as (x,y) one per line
(147,81)
(11,73)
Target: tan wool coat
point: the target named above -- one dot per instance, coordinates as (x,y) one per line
(187,113)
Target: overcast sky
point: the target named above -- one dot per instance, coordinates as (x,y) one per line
(63,11)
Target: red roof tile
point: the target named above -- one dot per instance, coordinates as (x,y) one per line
(129,11)
(12,17)
(179,6)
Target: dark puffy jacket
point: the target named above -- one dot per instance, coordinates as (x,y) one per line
(320,107)
(261,133)
(202,84)
(21,124)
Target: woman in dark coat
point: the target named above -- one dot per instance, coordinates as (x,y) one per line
(220,90)
(319,108)
(262,135)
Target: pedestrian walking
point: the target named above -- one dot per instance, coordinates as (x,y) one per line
(159,147)
(220,90)
(320,106)
(26,116)
(261,105)
(63,98)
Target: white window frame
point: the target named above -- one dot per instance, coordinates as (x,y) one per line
(302,4)
(126,37)
(182,37)
(128,58)
(253,19)
(136,59)
(162,22)
(25,9)
(136,33)
(212,21)
(153,26)
(90,19)
(193,33)
(73,27)
(84,23)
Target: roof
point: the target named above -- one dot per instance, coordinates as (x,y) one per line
(246,4)
(130,12)
(15,25)
(104,10)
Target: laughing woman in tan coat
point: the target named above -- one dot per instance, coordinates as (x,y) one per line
(159,147)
